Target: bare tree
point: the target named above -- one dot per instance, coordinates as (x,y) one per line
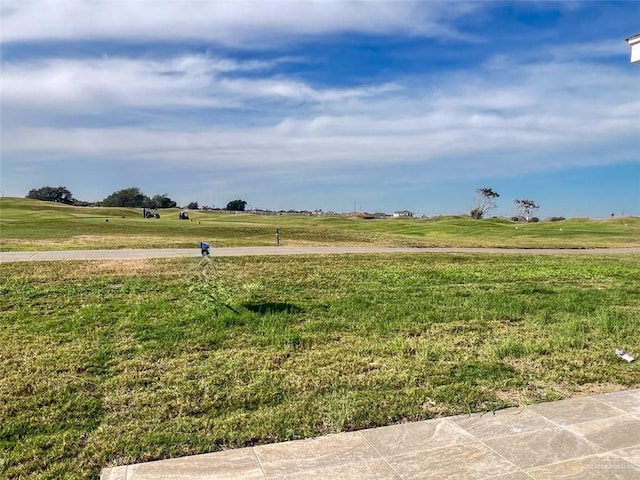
(485,202)
(526,208)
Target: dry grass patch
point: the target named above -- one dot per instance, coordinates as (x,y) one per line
(125,267)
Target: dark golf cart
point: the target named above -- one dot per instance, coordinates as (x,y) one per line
(147,213)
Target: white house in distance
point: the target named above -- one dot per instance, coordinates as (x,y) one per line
(403,214)
(634,43)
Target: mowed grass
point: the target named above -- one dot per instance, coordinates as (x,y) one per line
(109,363)
(34,225)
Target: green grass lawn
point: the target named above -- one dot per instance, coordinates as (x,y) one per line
(113,362)
(34,225)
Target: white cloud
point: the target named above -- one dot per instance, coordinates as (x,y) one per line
(531,112)
(73,86)
(238,23)
(589,51)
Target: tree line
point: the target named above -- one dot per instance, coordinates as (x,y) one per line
(131,197)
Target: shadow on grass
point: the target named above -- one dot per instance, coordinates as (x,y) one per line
(272,307)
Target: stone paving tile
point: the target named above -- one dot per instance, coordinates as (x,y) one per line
(512,476)
(369,470)
(469,461)
(631,454)
(627,401)
(510,421)
(114,473)
(610,433)
(542,447)
(226,465)
(414,437)
(314,454)
(595,467)
(574,410)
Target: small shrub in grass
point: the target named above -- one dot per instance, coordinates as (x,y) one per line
(557,219)
(212,287)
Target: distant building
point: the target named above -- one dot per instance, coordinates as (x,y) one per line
(403,214)
(634,43)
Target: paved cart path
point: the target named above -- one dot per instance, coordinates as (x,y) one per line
(134,254)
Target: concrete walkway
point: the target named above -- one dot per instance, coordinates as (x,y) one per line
(134,254)
(596,437)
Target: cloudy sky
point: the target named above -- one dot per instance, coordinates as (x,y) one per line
(387,105)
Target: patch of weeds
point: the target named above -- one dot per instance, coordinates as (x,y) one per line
(210,288)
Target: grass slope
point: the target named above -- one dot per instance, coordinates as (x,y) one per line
(106,363)
(34,225)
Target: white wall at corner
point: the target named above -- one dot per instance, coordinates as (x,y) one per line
(634,42)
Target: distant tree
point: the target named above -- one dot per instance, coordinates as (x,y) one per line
(526,208)
(162,201)
(81,203)
(236,205)
(52,194)
(485,202)
(193,206)
(129,197)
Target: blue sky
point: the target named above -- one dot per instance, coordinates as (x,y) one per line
(390,105)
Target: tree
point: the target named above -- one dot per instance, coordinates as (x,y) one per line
(193,206)
(236,205)
(52,194)
(129,197)
(526,208)
(162,201)
(484,203)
